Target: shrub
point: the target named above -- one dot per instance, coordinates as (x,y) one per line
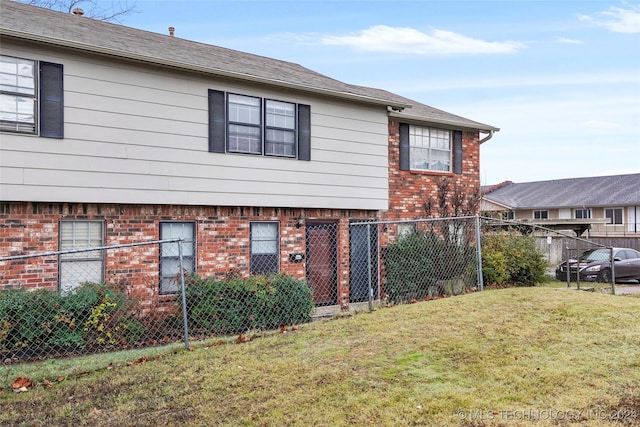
(416,263)
(43,321)
(237,304)
(510,259)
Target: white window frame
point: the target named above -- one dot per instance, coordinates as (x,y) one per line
(80,267)
(265,246)
(431,149)
(244,125)
(582,213)
(542,214)
(170,255)
(17,88)
(610,214)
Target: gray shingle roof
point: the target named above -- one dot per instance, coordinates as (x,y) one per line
(76,32)
(597,191)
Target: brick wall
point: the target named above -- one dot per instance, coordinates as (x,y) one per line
(409,190)
(222,241)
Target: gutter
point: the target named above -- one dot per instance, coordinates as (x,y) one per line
(486,138)
(464,125)
(196,68)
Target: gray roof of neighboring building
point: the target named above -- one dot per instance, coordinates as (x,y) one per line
(42,25)
(597,191)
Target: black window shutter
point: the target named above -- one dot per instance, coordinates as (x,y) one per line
(217,121)
(457,151)
(404,147)
(51,100)
(304,132)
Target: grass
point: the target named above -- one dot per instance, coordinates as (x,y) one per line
(493,358)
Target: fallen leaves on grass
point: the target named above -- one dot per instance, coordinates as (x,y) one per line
(21,384)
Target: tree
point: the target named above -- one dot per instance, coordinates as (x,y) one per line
(91,8)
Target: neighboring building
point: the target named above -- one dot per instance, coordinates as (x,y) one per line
(113,135)
(601,205)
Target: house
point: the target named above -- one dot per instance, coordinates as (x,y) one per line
(603,206)
(112,135)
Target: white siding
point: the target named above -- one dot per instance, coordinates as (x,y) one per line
(140,135)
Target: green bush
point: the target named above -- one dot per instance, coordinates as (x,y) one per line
(417,262)
(237,304)
(43,321)
(512,259)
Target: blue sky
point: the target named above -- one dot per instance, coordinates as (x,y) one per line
(560,78)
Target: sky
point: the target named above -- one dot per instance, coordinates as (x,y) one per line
(560,78)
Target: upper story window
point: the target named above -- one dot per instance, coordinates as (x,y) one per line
(540,214)
(245,125)
(582,213)
(31,97)
(614,215)
(253,125)
(18,94)
(430,149)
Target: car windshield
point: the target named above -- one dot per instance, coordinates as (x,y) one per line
(596,255)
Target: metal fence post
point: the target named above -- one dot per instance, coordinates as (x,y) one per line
(613,272)
(184,297)
(479,254)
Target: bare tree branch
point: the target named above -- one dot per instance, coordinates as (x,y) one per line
(92,8)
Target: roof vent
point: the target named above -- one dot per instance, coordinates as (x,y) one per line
(78,12)
(172,31)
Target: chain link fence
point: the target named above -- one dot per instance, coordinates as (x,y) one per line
(408,261)
(93,299)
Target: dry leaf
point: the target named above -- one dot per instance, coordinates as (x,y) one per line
(20,383)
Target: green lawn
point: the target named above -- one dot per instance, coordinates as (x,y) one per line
(499,357)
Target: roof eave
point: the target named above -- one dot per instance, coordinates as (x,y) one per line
(458,124)
(195,68)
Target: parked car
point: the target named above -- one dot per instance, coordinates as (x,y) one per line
(595,265)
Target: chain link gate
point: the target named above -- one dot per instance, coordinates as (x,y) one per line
(407,261)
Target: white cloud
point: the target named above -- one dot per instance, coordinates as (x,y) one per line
(382,38)
(616,19)
(568,41)
(600,124)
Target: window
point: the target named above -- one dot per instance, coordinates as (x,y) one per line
(264,248)
(252,125)
(406,229)
(582,213)
(80,267)
(244,125)
(430,149)
(508,215)
(170,254)
(540,214)
(22,106)
(280,138)
(614,215)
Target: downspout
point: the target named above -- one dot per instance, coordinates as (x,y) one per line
(486,138)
